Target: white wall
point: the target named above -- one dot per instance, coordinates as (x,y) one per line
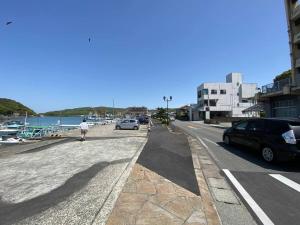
(232,100)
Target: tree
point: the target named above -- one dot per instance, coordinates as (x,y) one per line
(284,75)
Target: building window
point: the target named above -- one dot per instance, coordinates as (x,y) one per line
(223,92)
(199,94)
(297,22)
(205,91)
(214,92)
(205,102)
(212,103)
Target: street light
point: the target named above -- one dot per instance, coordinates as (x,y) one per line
(166,99)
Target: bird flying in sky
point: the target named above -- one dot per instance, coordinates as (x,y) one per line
(89,39)
(9,22)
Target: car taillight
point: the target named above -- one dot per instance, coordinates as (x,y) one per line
(289,137)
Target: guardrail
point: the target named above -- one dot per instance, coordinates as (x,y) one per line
(276,86)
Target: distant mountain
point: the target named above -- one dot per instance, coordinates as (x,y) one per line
(84,111)
(9,107)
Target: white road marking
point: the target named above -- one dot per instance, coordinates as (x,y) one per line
(210,152)
(210,141)
(192,127)
(286,181)
(254,206)
(202,142)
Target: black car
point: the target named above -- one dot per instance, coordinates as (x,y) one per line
(276,139)
(143,120)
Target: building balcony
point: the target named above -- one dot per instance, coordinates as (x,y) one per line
(297,38)
(276,88)
(219,108)
(296,12)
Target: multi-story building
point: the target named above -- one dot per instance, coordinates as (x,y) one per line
(226,99)
(282,98)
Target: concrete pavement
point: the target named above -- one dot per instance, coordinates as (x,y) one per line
(70,182)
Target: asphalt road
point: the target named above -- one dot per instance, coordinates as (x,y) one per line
(271,192)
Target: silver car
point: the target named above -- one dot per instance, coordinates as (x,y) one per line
(128,124)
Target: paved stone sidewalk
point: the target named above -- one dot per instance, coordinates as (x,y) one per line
(148,198)
(163,188)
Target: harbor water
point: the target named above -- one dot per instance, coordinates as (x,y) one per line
(53,120)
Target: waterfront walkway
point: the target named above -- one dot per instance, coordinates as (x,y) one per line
(68,182)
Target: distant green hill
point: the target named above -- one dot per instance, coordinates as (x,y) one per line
(84,111)
(9,107)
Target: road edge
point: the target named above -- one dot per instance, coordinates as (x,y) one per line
(210,209)
(107,207)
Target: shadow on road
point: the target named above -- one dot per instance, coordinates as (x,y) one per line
(255,157)
(169,156)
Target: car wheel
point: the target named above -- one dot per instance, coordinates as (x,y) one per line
(118,127)
(136,128)
(268,154)
(227,140)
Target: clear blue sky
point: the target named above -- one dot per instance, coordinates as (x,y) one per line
(140,50)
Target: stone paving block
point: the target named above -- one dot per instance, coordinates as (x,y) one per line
(130,186)
(130,202)
(197,218)
(153,214)
(161,199)
(218,183)
(224,195)
(180,207)
(206,161)
(145,187)
(165,187)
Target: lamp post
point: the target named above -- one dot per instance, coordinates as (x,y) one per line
(166,99)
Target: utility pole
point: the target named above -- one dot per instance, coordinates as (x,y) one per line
(113,108)
(167,100)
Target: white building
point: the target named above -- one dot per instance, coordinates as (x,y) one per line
(226,99)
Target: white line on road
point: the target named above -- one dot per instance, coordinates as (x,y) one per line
(210,152)
(254,206)
(202,142)
(210,141)
(286,181)
(192,127)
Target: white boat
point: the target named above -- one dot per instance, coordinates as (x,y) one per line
(12,140)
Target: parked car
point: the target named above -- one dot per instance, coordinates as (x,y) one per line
(143,120)
(276,139)
(128,124)
(172,118)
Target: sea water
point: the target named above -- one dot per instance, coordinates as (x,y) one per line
(53,120)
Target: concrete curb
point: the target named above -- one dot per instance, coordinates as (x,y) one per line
(210,209)
(107,207)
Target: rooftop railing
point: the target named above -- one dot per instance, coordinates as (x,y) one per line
(276,86)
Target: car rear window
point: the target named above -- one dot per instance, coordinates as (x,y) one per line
(277,126)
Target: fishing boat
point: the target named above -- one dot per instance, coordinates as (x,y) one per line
(13,124)
(10,140)
(35,132)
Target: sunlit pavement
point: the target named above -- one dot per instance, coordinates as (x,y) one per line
(67,183)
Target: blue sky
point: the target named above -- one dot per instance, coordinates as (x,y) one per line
(140,50)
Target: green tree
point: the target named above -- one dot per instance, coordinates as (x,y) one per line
(284,75)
